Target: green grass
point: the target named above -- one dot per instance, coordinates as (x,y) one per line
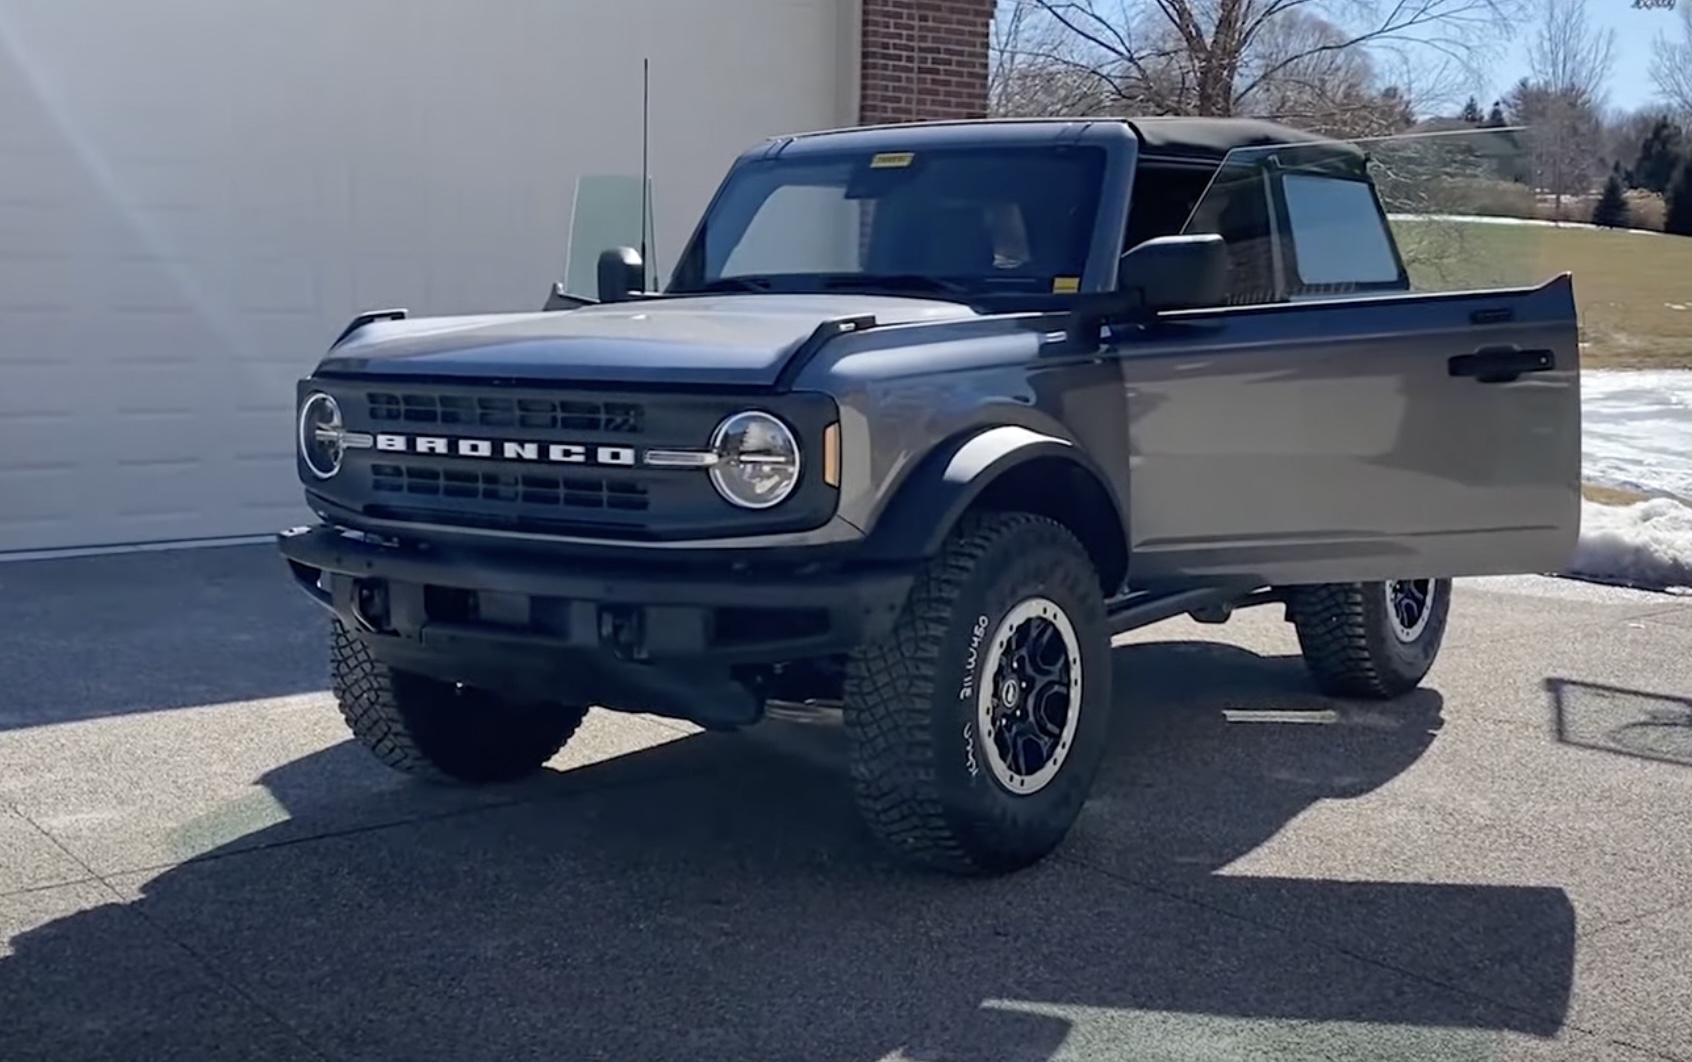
(1602,495)
(1634,289)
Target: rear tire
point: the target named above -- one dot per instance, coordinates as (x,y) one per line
(976,727)
(437,730)
(1370,641)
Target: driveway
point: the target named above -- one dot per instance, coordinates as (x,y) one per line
(196,864)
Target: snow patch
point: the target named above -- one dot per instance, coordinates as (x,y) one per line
(1636,430)
(1493,219)
(1647,544)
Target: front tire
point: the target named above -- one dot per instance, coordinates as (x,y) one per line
(976,727)
(1371,641)
(437,730)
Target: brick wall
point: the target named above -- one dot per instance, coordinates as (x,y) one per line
(923,60)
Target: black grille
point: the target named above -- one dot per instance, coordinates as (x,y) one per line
(514,488)
(504,411)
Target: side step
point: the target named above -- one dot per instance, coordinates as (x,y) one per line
(1209,604)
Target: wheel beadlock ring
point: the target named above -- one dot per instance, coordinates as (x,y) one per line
(1409,603)
(1017,708)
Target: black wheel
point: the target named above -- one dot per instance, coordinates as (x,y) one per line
(1372,641)
(975,729)
(438,730)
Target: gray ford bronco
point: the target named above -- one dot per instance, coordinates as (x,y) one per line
(925,416)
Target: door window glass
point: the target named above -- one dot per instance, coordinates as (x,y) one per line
(1338,234)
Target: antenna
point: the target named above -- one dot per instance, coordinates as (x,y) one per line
(645,168)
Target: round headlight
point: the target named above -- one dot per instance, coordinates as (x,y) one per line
(323,435)
(757,460)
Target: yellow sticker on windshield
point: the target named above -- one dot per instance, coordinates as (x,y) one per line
(1065,285)
(890,160)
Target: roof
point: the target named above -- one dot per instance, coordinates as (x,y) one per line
(1213,138)
(1198,138)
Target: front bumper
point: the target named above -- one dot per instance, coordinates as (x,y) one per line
(474,615)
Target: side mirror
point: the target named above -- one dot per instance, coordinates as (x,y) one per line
(622,274)
(1175,273)
(1166,273)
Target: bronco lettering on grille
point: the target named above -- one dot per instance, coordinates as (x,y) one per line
(495,449)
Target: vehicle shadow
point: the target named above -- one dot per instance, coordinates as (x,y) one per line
(92,637)
(715,898)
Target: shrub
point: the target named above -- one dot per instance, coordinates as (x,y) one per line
(1611,209)
(1678,219)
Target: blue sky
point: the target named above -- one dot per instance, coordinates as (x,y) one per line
(1630,80)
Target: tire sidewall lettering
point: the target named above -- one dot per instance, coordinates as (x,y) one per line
(970,687)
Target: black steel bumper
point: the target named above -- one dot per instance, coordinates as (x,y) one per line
(455,612)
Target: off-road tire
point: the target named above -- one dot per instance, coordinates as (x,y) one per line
(918,759)
(1346,632)
(436,730)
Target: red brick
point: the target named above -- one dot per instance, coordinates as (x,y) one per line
(923,60)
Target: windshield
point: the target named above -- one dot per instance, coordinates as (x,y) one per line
(969,221)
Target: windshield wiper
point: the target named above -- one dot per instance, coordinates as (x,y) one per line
(897,282)
(745,283)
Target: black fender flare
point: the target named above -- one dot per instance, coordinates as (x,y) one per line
(935,494)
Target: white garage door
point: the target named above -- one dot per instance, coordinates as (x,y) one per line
(196,195)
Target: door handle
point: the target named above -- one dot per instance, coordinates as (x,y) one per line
(1501,365)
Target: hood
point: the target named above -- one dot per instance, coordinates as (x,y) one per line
(730,340)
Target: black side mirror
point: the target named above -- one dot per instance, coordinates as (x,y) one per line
(622,274)
(1175,273)
(1167,273)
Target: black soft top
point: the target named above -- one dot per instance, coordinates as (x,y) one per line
(1211,139)
(1174,138)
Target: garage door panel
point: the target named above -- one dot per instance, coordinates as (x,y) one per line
(130,339)
(34,445)
(142,286)
(264,287)
(40,501)
(388,280)
(184,228)
(35,281)
(45,389)
(35,337)
(162,438)
(42,230)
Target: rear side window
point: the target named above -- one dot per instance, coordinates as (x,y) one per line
(1339,237)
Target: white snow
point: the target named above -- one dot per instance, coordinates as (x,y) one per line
(1637,435)
(1637,430)
(1647,544)
(1492,219)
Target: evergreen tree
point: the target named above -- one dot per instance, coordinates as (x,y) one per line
(1659,156)
(1472,112)
(1679,218)
(1611,210)
(1495,117)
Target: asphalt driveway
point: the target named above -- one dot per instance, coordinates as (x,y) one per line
(196,864)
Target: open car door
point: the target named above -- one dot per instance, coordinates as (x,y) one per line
(1357,413)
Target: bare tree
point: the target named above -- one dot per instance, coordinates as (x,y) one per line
(1034,71)
(1671,64)
(1569,62)
(1208,56)
(1329,92)
(1566,132)
(1568,55)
